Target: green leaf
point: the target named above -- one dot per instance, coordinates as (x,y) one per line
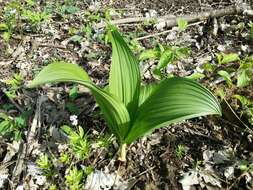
(196,76)
(182,24)
(227,58)
(181,52)
(150,54)
(244,101)
(70,9)
(73,93)
(174,100)
(3,27)
(124,79)
(76,38)
(226,76)
(5,127)
(243,78)
(6,36)
(146,91)
(114,111)
(166,58)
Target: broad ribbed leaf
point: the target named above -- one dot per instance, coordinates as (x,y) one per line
(146,91)
(174,100)
(113,109)
(124,80)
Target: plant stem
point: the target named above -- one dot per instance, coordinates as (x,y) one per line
(122,156)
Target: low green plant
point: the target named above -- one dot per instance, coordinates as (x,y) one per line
(12,127)
(64,158)
(74,178)
(130,108)
(182,24)
(78,141)
(104,140)
(226,76)
(46,165)
(247,106)
(53,187)
(165,54)
(13,85)
(35,18)
(180,151)
(18,14)
(245,72)
(250,24)
(223,58)
(246,166)
(11,19)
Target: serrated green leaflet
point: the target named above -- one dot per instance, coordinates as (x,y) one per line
(132,110)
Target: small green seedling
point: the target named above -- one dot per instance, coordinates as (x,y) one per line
(250,24)
(182,24)
(131,109)
(244,74)
(65,158)
(35,19)
(12,127)
(246,166)
(46,165)
(180,151)
(223,58)
(13,85)
(53,187)
(166,55)
(226,76)
(74,178)
(247,106)
(105,141)
(79,142)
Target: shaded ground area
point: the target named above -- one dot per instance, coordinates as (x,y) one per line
(202,153)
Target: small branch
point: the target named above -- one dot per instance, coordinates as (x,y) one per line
(52,46)
(162,33)
(172,20)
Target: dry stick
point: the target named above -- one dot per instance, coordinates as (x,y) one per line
(172,20)
(36,124)
(163,32)
(52,46)
(19,164)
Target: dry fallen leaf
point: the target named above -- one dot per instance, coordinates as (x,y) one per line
(99,180)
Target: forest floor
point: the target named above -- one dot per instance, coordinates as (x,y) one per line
(202,153)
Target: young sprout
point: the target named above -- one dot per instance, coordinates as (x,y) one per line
(74,178)
(180,151)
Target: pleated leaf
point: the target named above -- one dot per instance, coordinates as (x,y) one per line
(146,91)
(124,79)
(174,100)
(113,109)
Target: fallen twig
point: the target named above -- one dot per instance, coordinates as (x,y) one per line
(52,46)
(162,33)
(19,164)
(36,124)
(171,20)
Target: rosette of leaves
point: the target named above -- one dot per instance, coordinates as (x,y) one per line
(130,108)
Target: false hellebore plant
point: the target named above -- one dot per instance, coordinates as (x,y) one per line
(131,109)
